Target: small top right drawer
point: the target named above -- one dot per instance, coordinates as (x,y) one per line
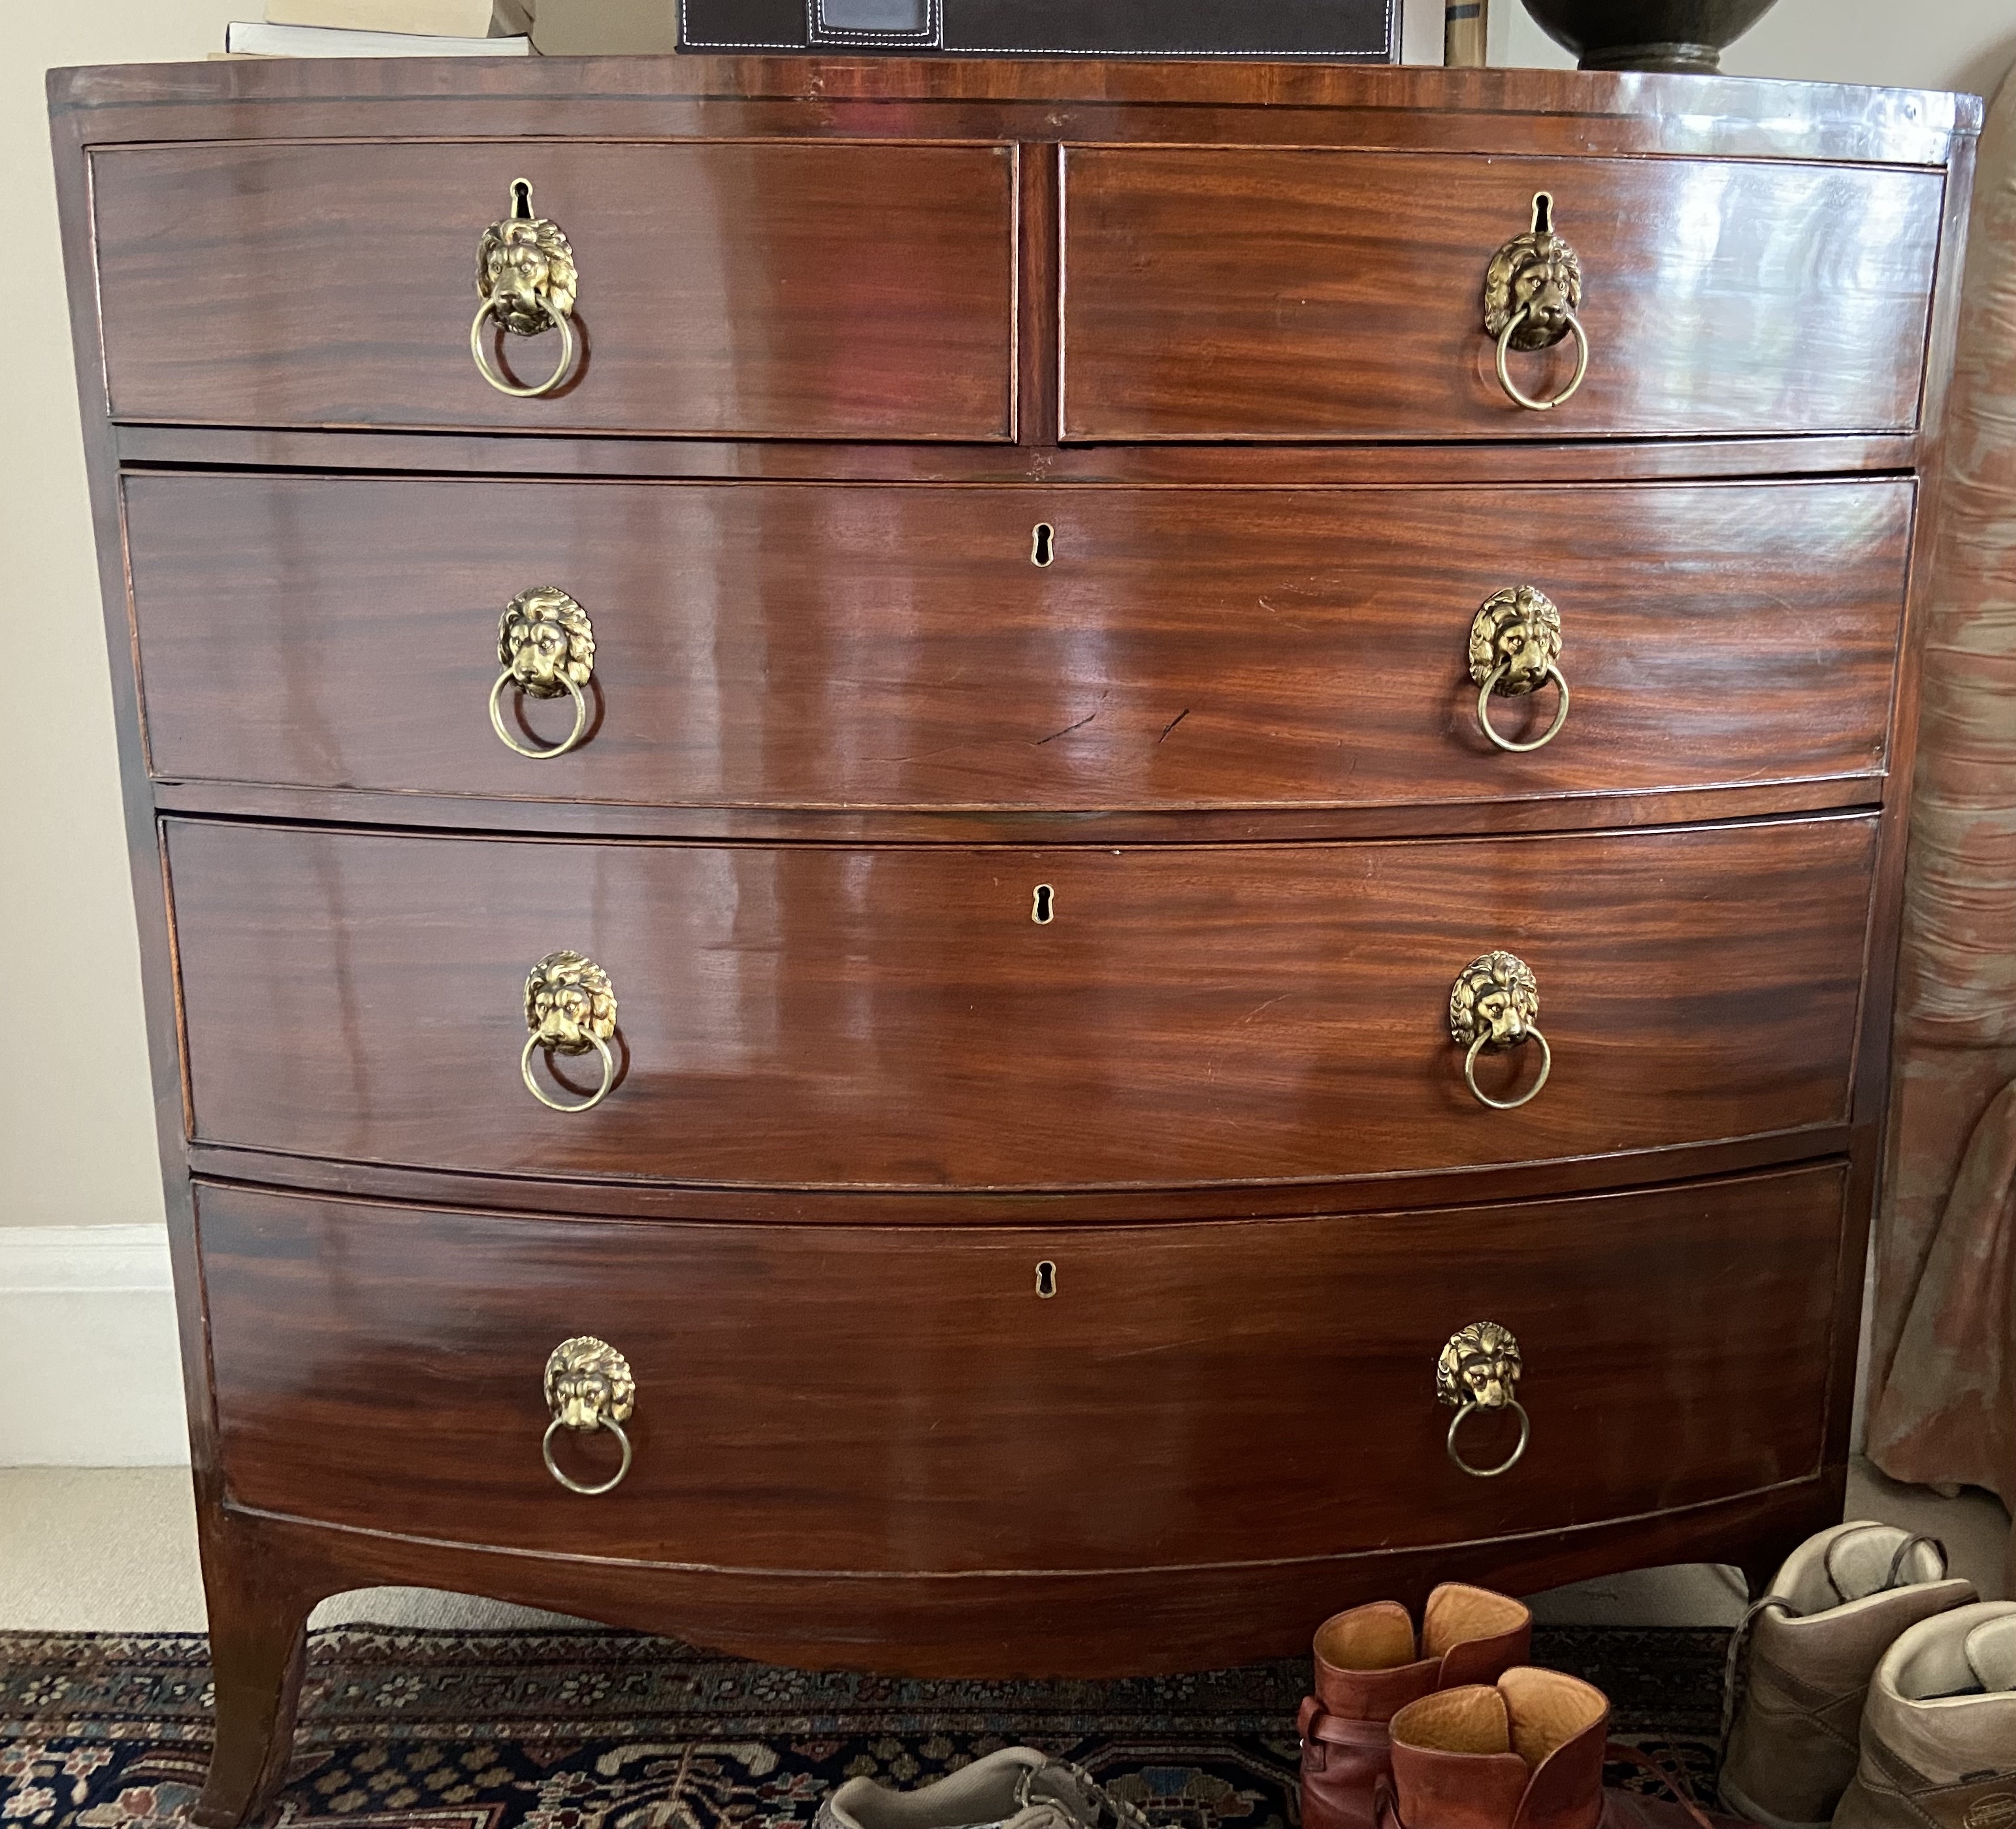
(1289,293)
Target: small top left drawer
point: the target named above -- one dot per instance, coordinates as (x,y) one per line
(719,289)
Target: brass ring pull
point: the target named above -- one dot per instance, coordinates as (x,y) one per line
(556,320)
(1493,681)
(511,742)
(573,1485)
(1512,387)
(1526,1097)
(1485,1473)
(547,645)
(1478,1373)
(1495,1003)
(569,1009)
(527,280)
(601,1091)
(588,1386)
(1515,650)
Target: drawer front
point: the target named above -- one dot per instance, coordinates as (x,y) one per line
(1251,293)
(889,1400)
(757,289)
(869,647)
(825,1017)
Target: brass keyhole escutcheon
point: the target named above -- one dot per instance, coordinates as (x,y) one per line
(1046,1280)
(1478,1374)
(1043,909)
(1532,293)
(1043,545)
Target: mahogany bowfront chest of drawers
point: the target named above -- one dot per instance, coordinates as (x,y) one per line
(1059,861)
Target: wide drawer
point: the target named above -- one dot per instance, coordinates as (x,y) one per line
(1240,292)
(727,289)
(820,1016)
(850,1398)
(869,647)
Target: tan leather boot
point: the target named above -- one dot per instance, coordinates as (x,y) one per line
(1368,1665)
(1527,1753)
(1939,1733)
(1800,1665)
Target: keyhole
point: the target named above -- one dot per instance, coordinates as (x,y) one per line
(1045,910)
(1043,547)
(521,200)
(1544,213)
(1046,1279)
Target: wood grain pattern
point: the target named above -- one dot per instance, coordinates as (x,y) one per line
(1229,292)
(307,1039)
(1007,1623)
(852,1401)
(731,289)
(1156,100)
(821,1016)
(863,649)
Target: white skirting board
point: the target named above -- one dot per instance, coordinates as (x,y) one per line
(89,1359)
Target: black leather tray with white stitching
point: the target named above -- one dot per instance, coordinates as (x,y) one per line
(1354,30)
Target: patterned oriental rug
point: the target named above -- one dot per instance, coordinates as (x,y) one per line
(594,1730)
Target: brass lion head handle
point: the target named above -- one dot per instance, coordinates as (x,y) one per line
(527,280)
(569,1009)
(1532,291)
(1515,649)
(589,1386)
(1479,1371)
(547,645)
(1495,1004)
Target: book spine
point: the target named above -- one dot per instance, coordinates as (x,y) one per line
(1466,33)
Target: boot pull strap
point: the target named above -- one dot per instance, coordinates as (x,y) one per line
(1895,1578)
(1677,1787)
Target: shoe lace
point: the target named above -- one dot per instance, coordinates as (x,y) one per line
(1676,1785)
(1099,1807)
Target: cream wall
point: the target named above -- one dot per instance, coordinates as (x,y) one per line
(76,1134)
(76,1130)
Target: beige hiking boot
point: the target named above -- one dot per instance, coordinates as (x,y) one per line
(1800,1665)
(1939,1735)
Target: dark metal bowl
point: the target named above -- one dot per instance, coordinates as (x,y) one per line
(1647,35)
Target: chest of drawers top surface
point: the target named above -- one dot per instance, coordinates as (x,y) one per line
(1051,814)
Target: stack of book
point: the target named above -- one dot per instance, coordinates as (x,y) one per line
(385,28)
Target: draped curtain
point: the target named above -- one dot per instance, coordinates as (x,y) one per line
(1943,1370)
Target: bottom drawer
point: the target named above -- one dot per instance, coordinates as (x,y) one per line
(888,1400)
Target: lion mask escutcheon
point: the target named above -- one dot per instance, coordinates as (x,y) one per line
(1481,1366)
(526,266)
(545,639)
